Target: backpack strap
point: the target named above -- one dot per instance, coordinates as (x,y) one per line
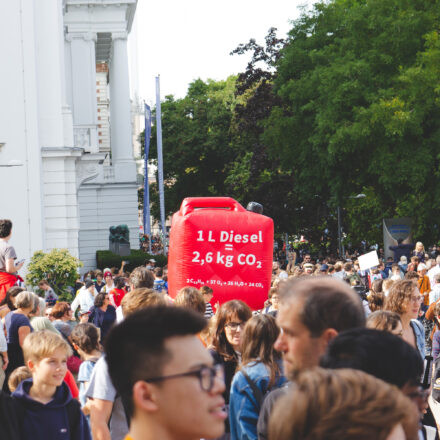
(258,395)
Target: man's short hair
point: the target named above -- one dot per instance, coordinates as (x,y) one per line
(136,350)
(348,267)
(158,271)
(191,298)
(344,404)
(327,303)
(43,283)
(206,290)
(141,277)
(379,353)
(140,298)
(42,344)
(5,228)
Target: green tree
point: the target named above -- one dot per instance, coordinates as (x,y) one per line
(196,143)
(359,88)
(58,267)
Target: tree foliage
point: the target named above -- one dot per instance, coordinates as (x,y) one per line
(58,267)
(359,86)
(348,104)
(196,143)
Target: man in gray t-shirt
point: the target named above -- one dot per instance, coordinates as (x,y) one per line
(106,405)
(6,252)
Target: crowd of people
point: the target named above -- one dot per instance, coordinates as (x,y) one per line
(156,244)
(336,353)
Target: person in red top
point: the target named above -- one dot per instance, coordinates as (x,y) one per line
(70,381)
(118,292)
(8,269)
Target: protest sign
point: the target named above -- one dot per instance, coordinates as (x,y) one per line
(367,261)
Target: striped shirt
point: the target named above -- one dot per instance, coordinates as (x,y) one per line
(208,311)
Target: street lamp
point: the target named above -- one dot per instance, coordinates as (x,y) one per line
(340,246)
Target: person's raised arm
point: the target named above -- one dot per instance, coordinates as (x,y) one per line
(11,267)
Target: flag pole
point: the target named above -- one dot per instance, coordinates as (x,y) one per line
(160,163)
(146,212)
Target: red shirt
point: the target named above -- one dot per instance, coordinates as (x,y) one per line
(116,296)
(70,381)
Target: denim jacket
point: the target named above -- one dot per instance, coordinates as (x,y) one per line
(419,332)
(243,407)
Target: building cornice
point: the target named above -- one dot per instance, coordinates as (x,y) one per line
(61,151)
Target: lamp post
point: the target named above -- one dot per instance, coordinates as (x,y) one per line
(341,249)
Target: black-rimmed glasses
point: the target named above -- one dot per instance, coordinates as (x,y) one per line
(206,376)
(234,325)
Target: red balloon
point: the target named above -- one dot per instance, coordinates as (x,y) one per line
(214,241)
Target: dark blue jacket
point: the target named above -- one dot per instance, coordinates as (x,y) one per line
(60,419)
(402,249)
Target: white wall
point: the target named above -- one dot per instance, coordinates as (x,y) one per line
(20,187)
(102,206)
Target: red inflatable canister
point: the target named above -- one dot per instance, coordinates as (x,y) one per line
(214,241)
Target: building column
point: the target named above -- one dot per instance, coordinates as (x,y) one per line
(120,111)
(82,65)
(49,68)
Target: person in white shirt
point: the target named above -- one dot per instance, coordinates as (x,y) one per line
(434,295)
(434,271)
(85,298)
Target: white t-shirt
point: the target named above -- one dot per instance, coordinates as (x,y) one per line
(101,387)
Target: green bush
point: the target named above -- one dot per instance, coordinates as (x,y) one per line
(136,258)
(58,267)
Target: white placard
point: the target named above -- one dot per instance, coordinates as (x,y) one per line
(368,261)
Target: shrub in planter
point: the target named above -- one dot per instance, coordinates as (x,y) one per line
(58,267)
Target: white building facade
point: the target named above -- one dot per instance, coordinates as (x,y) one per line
(67,170)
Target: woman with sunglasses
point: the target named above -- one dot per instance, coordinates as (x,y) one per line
(405,299)
(226,345)
(261,371)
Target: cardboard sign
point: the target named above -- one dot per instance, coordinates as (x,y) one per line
(214,241)
(367,261)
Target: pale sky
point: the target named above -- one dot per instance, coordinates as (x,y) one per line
(185,40)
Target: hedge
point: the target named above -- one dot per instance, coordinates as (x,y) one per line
(136,258)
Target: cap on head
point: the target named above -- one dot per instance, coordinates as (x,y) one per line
(89,283)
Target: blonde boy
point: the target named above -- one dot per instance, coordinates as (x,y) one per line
(46,405)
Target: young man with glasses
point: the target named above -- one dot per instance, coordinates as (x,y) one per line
(168,383)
